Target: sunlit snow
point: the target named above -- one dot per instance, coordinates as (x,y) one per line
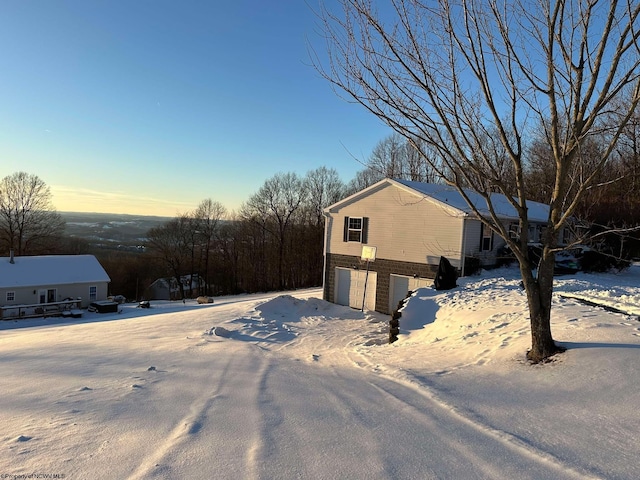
(290,386)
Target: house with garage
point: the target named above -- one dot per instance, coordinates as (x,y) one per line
(387,239)
(36,285)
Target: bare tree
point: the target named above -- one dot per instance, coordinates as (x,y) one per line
(171,243)
(363,179)
(324,188)
(28,219)
(471,79)
(207,219)
(397,157)
(387,157)
(273,207)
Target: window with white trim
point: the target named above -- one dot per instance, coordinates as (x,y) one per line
(486,239)
(355,229)
(514,231)
(11,296)
(93,293)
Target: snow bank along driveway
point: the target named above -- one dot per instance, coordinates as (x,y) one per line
(289,386)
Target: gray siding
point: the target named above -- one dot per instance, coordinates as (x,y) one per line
(473,232)
(30,295)
(473,238)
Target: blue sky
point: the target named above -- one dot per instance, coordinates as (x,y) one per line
(149,107)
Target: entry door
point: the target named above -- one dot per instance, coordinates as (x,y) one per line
(47,296)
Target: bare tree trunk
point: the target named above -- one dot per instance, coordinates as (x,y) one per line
(539,291)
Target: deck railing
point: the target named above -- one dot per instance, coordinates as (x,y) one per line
(49,309)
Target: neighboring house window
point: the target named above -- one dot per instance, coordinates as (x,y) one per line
(486,239)
(93,293)
(542,230)
(11,296)
(356,229)
(514,231)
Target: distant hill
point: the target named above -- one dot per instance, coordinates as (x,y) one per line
(111,230)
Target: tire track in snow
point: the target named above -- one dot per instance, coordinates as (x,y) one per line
(208,408)
(349,423)
(403,379)
(190,424)
(255,451)
(456,428)
(308,428)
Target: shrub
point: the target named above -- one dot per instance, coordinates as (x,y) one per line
(471,265)
(594,261)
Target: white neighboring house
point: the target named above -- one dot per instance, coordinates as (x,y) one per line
(48,279)
(411,225)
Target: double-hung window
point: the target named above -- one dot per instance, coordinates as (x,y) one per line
(514,231)
(11,296)
(355,229)
(93,293)
(486,239)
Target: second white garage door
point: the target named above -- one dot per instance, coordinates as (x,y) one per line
(399,285)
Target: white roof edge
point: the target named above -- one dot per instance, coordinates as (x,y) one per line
(390,181)
(458,210)
(359,193)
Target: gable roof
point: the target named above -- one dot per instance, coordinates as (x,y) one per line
(450,197)
(50,270)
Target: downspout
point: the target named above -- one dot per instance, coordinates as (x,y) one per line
(462,247)
(327,220)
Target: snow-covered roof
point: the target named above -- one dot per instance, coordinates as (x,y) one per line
(450,196)
(49,270)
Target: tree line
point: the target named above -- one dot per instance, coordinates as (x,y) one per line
(273,242)
(276,239)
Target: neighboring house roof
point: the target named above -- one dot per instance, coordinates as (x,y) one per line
(451,197)
(170,282)
(50,270)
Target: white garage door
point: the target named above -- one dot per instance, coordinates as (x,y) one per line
(399,285)
(350,286)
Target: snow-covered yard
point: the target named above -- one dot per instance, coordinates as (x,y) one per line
(289,386)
